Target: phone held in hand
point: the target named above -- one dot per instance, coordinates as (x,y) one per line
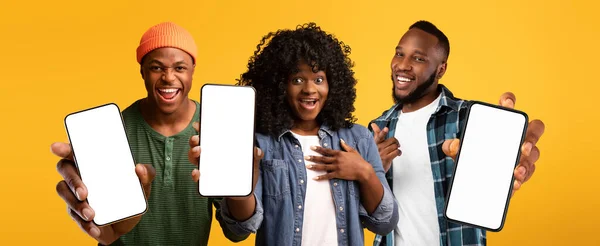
(105,163)
(490,149)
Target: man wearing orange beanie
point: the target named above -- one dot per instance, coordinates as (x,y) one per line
(159,128)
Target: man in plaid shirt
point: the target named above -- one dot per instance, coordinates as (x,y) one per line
(417,141)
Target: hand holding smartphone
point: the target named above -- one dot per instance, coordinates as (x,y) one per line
(489,152)
(105,164)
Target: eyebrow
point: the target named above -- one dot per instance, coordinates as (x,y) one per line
(161,64)
(419,52)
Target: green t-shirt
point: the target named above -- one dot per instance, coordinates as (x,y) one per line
(177,214)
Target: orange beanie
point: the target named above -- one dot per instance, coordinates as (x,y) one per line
(166,34)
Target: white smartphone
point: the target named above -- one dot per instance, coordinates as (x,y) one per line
(490,149)
(105,163)
(226,140)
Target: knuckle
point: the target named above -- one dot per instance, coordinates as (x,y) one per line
(74,215)
(60,165)
(71,182)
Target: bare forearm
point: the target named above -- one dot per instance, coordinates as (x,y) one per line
(241,209)
(371,190)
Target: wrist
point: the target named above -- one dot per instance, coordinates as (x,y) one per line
(241,198)
(367,174)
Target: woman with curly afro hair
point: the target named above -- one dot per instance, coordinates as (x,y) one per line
(320,180)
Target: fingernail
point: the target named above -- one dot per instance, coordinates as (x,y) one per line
(86,213)
(316,178)
(307,158)
(342,140)
(196,124)
(313,147)
(196,149)
(258,151)
(77,192)
(94,232)
(527,148)
(309,166)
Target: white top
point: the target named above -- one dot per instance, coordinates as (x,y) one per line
(319,225)
(413,181)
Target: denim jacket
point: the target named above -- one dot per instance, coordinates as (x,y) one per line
(281,190)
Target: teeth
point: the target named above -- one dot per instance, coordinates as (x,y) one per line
(308,100)
(168,90)
(403,79)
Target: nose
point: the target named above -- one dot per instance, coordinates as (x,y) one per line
(169,75)
(310,87)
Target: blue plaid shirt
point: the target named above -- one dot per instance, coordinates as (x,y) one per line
(443,124)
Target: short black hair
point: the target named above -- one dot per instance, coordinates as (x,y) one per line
(278,56)
(430,28)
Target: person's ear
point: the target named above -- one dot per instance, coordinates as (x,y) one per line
(441,70)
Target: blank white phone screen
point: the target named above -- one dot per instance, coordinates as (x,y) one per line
(484,169)
(105,163)
(226,140)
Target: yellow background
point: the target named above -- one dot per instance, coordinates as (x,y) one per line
(57,57)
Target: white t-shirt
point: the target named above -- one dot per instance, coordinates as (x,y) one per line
(319,225)
(413,181)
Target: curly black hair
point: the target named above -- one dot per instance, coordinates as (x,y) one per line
(271,65)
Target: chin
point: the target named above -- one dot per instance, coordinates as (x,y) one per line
(167,110)
(307,117)
(400,97)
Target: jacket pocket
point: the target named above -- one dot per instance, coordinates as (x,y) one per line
(275,178)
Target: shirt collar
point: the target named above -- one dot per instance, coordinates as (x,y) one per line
(324,129)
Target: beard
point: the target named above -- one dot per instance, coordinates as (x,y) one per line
(414,96)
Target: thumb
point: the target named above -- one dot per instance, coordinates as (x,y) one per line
(258,155)
(508,100)
(62,150)
(345,146)
(146,174)
(450,147)
(196,126)
(375,128)
(379,137)
(383,133)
